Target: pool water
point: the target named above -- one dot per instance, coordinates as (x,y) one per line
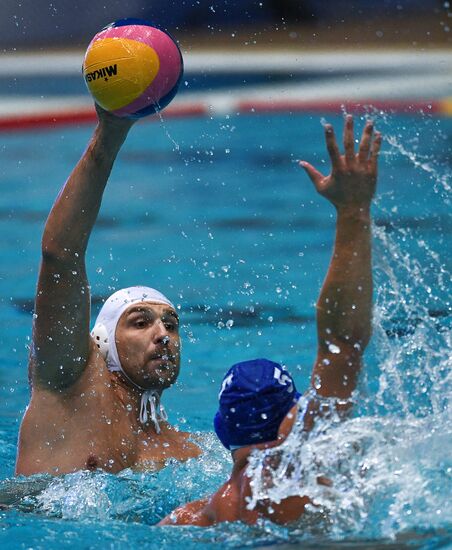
(216,214)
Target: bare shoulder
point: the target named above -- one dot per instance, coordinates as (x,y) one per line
(61,426)
(50,407)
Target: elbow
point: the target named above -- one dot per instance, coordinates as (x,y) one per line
(50,255)
(354,344)
(344,332)
(53,252)
(350,345)
(51,249)
(360,337)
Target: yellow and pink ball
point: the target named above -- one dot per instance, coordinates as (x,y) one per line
(132,69)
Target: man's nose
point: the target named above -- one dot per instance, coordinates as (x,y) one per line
(161,334)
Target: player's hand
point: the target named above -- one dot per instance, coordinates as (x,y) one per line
(111,121)
(353,176)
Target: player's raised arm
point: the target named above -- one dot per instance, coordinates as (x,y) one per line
(344,307)
(61,340)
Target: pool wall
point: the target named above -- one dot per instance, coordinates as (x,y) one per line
(46,90)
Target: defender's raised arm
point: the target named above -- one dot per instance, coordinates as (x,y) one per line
(61,340)
(344,307)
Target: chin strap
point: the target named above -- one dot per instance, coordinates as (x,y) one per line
(152,398)
(148,397)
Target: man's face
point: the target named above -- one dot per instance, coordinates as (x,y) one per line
(148,344)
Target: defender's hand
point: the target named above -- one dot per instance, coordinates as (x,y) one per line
(354,175)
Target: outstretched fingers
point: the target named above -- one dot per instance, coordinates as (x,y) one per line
(364,146)
(315,176)
(331,145)
(375,150)
(349,144)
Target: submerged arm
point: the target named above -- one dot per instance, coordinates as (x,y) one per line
(344,307)
(61,341)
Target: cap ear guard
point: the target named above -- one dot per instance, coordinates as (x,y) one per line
(100,336)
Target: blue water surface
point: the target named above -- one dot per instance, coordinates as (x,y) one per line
(217,214)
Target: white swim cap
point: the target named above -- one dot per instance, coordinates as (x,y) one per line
(104,331)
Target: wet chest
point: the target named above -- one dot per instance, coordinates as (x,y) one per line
(133,446)
(153,452)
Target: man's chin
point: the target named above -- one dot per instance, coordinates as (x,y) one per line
(161,378)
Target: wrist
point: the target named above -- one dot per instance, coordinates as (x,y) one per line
(108,139)
(112,131)
(354,211)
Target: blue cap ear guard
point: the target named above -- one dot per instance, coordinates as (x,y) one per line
(254,398)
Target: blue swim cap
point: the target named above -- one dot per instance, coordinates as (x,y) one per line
(254,398)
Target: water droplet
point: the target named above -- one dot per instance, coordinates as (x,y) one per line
(333,348)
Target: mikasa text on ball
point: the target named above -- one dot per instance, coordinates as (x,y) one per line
(132,68)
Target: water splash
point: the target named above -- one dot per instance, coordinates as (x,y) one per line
(168,135)
(76,496)
(441,181)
